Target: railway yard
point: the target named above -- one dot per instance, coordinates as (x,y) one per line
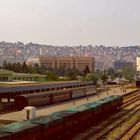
(18,115)
(121,125)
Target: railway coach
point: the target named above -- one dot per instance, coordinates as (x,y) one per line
(11,92)
(40,99)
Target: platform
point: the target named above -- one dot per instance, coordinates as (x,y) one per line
(19,115)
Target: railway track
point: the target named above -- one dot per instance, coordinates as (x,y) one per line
(136,135)
(131,99)
(118,129)
(130,111)
(132,133)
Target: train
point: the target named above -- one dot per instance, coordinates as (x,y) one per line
(51,97)
(13,91)
(63,124)
(138,83)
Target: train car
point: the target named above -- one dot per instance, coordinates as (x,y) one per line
(40,99)
(60,96)
(85,115)
(5,136)
(50,97)
(70,119)
(22,131)
(78,93)
(36,100)
(138,83)
(13,91)
(51,127)
(90,90)
(83,91)
(64,124)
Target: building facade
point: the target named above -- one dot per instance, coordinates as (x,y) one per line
(138,63)
(119,65)
(78,62)
(5,75)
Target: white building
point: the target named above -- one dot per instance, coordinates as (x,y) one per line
(33,61)
(138,63)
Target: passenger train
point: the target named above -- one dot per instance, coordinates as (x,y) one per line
(51,97)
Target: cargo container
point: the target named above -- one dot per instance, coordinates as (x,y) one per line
(5,136)
(63,124)
(51,126)
(22,131)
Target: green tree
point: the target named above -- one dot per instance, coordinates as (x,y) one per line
(104,78)
(98,73)
(92,77)
(112,73)
(9,66)
(18,68)
(86,70)
(37,68)
(72,74)
(25,67)
(52,76)
(128,73)
(4,66)
(61,71)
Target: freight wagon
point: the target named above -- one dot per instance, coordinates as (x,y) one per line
(137,83)
(64,124)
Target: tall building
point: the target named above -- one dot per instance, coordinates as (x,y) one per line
(78,62)
(138,63)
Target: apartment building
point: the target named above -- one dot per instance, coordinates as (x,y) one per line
(78,62)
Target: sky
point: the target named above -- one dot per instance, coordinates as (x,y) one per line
(71,22)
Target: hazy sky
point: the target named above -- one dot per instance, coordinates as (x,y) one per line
(71,22)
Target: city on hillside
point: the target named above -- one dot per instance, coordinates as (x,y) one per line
(105,56)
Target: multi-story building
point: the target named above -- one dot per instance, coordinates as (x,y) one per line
(78,62)
(138,63)
(119,65)
(32,61)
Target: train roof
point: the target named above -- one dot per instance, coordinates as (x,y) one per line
(46,120)
(95,104)
(44,86)
(64,113)
(17,127)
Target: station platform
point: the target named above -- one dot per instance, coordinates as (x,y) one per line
(20,115)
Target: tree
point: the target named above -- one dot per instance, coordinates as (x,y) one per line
(25,67)
(98,73)
(104,78)
(86,70)
(4,66)
(112,73)
(18,68)
(37,69)
(72,74)
(52,76)
(61,71)
(9,66)
(92,77)
(128,73)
